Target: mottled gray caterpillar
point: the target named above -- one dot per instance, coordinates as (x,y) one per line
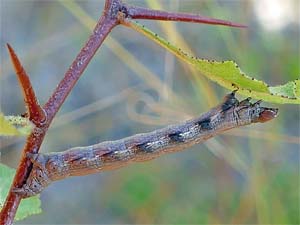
(146,146)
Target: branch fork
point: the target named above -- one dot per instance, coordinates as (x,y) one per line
(115,12)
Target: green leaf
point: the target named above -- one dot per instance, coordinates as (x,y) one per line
(28,206)
(289,89)
(229,75)
(14,126)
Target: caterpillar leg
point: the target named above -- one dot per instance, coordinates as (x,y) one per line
(245,102)
(229,101)
(37,178)
(36,159)
(24,191)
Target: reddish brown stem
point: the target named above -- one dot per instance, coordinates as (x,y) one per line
(35,113)
(107,21)
(135,12)
(114,12)
(80,63)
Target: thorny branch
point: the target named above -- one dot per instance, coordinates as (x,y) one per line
(113,13)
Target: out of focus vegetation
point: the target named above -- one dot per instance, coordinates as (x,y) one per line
(247,176)
(28,206)
(14,126)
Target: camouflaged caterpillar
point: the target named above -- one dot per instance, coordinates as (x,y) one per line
(141,147)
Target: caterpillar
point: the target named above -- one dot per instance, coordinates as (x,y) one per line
(78,161)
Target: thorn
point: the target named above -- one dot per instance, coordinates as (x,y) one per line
(150,14)
(35,112)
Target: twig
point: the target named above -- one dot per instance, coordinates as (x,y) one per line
(34,140)
(114,11)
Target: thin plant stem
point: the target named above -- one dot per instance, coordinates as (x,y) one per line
(35,139)
(113,13)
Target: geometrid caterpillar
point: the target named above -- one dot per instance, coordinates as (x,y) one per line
(146,146)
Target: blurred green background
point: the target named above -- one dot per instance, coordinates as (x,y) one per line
(246,176)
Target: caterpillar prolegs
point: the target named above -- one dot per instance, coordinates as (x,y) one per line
(141,147)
